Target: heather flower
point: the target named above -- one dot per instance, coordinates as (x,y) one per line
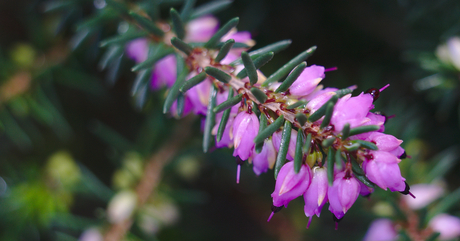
(384,142)
(365,191)
(245,128)
(383,170)
(307,81)
(291,150)
(138,49)
(316,195)
(343,193)
(425,193)
(164,72)
(315,103)
(199,96)
(381,230)
(201,29)
(290,185)
(265,159)
(352,110)
(448,226)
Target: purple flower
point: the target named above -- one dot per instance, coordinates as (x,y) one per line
(292,143)
(138,49)
(315,103)
(241,37)
(265,159)
(199,96)
(425,193)
(352,110)
(342,194)
(365,190)
(290,185)
(307,81)
(227,139)
(316,195)
(201,29)
(384,142)
(383,170)
(164,72)
(381,230)
(245,129)
(448,226)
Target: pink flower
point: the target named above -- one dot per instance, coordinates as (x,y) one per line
(164,72)
(447,225)
(316,195)
(384,142)
(265,159)
(381,230)
(138,49)
(245,129)
(383,170)
(199,96)
(307,81)
(290,185)
(342,194)
(201,29)
(292,143)
(315,103)
(227,140)
(352,110)
(425,193)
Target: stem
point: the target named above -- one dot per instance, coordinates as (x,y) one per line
(152,175)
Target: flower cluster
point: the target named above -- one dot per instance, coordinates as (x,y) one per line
(323,143)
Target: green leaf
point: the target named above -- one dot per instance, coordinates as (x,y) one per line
(119,7)
(181,45)
(224,119)
(210,121)
(178,25)
(228,103)
(283,71)
(298,158)
(444,162)
(250,67)
(338,159)
(114,51)
(292,77)
(187,10)
(272,128)
(174,91)
(365,181)
(124,38)
(259,94)
(328,115)
(80,37)
(284,147)
(330,166)
(355,167)
(142,79)
(301,118)
(180,104)
(152,60)
(262,125)
(306,146)
(147,24)
(260,61)
(297,104)
(345,131)
(215,39)
(363,129)
(275,48)
(366,144)
(218,74)
(343,92)
(433,236)
(224,50)
(210,8)
(352,147)
(195,80)
(101,18)
(328,142)
(114,70)
(322,110)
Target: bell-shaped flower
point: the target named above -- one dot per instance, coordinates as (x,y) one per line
(343,193)
(265,159)
(365,191)
(199,96)
(164,72)
(245,129)
(352,110)
(381,230)
(307,81)
(290,185)
(201,29)
(383,170)
(292,143)
(314,104)
(384,142)
(138,49)
(227,136)
(448,226)
(425,193)
(316,195)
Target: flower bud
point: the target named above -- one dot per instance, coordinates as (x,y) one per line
(383,170)
(316,195)
(265,159)
(245,129)
(352,110)
(342,194)
(307,81)
(290,185)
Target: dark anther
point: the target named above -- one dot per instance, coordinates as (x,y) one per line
(239,161)
(276,209)
(403,156)
(374,92)
(406,190)
(336,219)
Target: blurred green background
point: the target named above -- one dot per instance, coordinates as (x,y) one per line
(71,136)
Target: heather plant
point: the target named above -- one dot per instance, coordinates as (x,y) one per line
(191,78)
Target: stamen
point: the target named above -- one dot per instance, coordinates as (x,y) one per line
(330,69)
(384,87)
(309,221)
(238,171)
(271,215)
(336,225)
(412,195)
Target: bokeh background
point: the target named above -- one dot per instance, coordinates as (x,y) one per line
(72,136)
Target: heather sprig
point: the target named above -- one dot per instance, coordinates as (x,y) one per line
(285,121)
